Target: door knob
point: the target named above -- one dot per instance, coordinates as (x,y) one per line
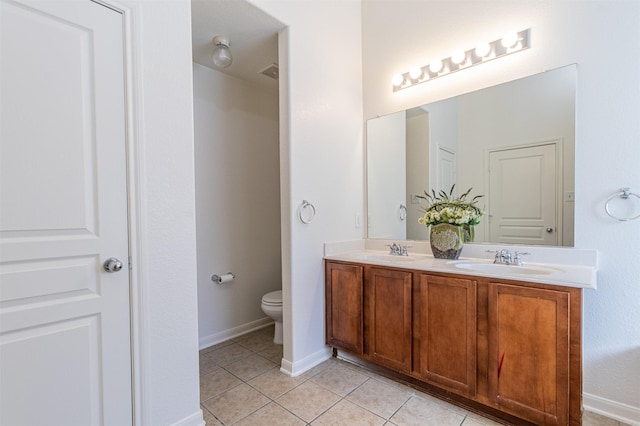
(112,265)
(549,230)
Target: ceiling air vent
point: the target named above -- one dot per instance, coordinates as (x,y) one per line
(270,71)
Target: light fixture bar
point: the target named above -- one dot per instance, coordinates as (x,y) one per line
(459,60)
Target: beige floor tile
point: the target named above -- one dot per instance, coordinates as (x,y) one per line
(217,382)
(422,412)
(340,379)
(216,346)
(249,367)
(209,419)
(256,341)
(348,414)
(273,354)
(228,354)
(473,419)
(592,419)
(264,331)
(379,397)
(437,401)
(308,400)
(316,396)
(321,367)
(207,365)
(273,383)
(271,414)
(236,403)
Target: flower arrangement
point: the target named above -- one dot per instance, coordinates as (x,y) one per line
(443,208)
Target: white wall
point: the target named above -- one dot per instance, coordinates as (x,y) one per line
(164,294)
(418,161)
(237,201)
(607,133)
(386,180)
(321,156)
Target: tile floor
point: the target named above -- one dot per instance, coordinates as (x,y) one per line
(241,384)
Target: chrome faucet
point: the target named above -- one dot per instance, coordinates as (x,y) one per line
(504,257)
(398,249)
(517,260)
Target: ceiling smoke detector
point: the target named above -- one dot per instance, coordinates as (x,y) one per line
(270,71)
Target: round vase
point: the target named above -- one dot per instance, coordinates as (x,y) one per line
(469,232)
(446,240)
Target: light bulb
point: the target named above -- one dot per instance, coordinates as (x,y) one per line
(458,57)
(221,54)
(415,73)
(483,49)
(510,39)
(397,80)
(435,66)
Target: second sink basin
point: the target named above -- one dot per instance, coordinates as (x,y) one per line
(494,268)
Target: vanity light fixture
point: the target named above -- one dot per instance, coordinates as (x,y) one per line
(415,73)
(458,57)
(509,43)
(436,66)
(483,50)
(221,54)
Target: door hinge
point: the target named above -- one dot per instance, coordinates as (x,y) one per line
(130,264)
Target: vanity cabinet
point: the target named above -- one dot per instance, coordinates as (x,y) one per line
(510,348)
(529,352)
(344,304)
(446,332)
(387,317)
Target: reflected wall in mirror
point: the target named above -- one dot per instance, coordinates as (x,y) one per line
(513,143)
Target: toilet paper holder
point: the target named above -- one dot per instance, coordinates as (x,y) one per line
(223,278)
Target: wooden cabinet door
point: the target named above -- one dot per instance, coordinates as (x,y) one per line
(529,352)
(387,300)
(447,321)
(344,320)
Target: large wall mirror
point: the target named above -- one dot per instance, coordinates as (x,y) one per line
(513,143)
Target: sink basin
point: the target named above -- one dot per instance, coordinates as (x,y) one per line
(494,268)
(387,258)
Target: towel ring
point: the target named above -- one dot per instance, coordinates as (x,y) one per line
(625,194)
(305,204)
(403,212)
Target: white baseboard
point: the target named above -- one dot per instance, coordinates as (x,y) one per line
(615,410)
(195,419)
(294,369)
(225,335)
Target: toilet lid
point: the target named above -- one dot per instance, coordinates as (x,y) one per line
(273,298)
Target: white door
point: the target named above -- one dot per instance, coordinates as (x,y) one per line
(522,195)
(447,170)
(387,177)
(65,354)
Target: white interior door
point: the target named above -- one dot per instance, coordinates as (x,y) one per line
(447,170)
(523,195)
(64,321)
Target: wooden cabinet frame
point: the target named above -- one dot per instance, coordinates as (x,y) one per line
(486,318)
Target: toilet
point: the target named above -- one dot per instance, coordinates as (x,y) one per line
(272,307)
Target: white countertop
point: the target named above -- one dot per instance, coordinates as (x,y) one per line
(578,274)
